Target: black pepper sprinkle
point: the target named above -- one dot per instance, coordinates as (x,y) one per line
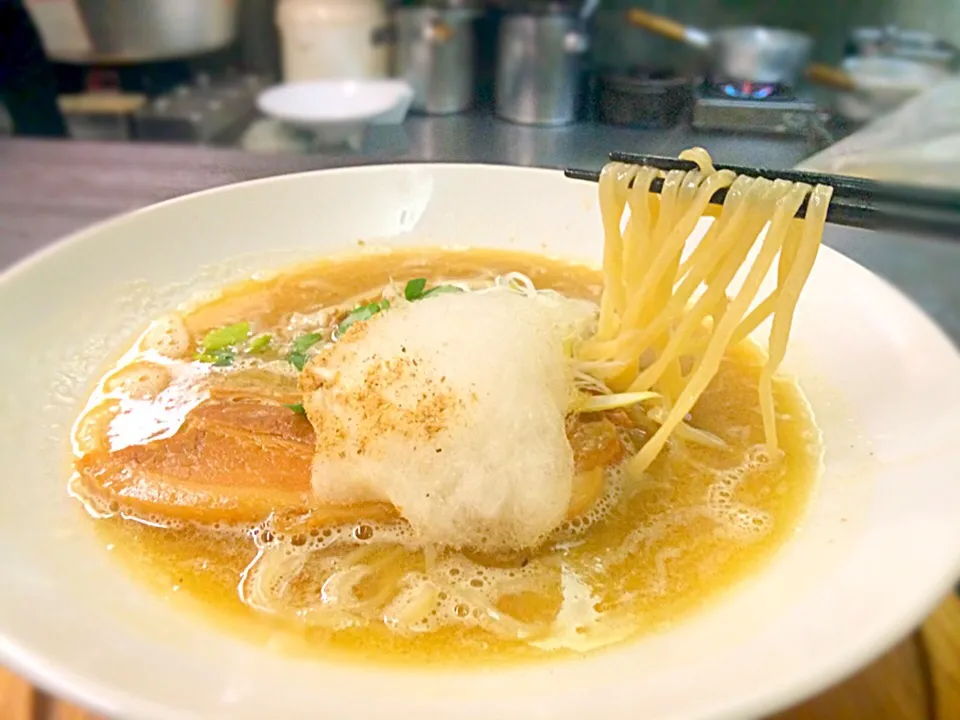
(439,450)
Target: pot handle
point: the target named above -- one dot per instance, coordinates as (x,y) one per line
(667,28)
(831,77)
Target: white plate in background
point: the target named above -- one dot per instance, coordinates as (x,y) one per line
(337,112)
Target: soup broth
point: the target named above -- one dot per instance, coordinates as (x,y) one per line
(638,556)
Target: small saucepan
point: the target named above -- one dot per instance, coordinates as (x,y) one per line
(748,53)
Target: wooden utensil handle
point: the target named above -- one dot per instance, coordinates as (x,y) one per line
(830,77)
(657,24)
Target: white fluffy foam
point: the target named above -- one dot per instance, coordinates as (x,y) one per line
(168,336)
(736,519)
(452,409)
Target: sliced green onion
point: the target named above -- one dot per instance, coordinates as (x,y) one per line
(298,360)
(297,408)
(413,290)
(226,336)
(221,358)
(364,312)
(305,342)
(298,356)
(260,343)
(416,289)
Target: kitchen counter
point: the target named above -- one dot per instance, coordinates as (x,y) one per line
(480,137)
(51,188)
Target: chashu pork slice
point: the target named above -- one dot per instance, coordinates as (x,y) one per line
(241,458)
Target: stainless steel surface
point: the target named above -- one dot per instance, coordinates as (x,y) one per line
(125,31)
(794,116)
(477,137)
(202,112)
(759,54)
(539,68)
(435,54)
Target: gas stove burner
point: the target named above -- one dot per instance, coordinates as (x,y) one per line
(752,107)
(746,91)
(749,90)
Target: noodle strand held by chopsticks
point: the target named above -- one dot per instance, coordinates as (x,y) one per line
(669,312)
(614,184)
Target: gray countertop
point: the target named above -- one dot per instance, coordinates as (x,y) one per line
(483,138)
(52,188)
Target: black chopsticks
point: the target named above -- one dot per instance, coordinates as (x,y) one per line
(856,202)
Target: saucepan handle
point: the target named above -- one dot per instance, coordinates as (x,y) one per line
(831,77)
(668,28)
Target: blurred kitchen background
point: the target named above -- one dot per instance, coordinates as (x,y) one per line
(526,81)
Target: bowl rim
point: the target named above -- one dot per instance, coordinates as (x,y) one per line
(815,677)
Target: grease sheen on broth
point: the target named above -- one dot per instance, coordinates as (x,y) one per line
(699,521)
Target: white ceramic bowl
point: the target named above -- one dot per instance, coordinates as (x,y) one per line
(878,547)
(337,111)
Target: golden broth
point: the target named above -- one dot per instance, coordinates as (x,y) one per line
(696,523)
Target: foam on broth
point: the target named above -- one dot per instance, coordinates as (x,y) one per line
(649,551)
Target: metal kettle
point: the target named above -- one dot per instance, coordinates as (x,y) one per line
(540,62)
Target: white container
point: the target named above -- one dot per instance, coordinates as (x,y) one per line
(333,39)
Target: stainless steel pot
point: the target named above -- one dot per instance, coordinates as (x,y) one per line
(435,54)
(540,66)
(128,31)
(750,54)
